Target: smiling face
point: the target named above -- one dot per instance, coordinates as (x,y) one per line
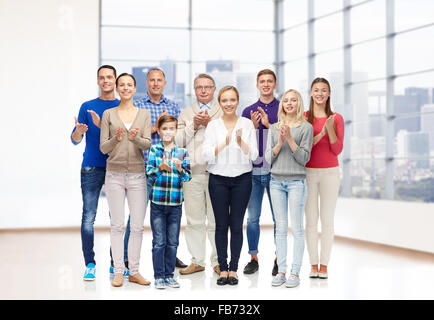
(106,80)
(126,87)
(228,101)
(290,104)
(266,85)
(320,93)
(155,83)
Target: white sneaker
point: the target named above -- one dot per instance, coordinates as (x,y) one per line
(322,275)
(292,281)
(313,274)
(278,280)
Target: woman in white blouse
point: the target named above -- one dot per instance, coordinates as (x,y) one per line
(229,148)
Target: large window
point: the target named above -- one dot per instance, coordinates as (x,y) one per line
(377,55)
(186,38)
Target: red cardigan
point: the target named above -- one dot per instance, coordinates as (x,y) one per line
(324,154)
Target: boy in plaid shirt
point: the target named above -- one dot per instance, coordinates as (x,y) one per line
(168,167)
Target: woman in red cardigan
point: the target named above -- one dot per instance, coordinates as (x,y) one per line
(322,176)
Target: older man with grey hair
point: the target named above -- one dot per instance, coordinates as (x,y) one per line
(192,123)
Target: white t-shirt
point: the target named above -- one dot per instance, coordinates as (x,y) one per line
(230,161)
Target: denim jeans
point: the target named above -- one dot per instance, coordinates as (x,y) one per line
(92,180)
(229,198)
(293,192)
(259,184)
(165,225)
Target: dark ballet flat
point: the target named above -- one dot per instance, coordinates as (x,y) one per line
(222,281)
(232,281)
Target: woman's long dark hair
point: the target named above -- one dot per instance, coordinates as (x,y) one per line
(328,109)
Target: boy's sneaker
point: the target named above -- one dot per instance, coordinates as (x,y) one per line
(278,280)
(170,282)
(126,271)
(89,273)
(160,284)
(292,281)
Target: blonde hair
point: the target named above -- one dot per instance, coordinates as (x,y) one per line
(228,88)
(281,114)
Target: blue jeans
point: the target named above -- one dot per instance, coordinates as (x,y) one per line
(259,183)
(165,225)
(294,192)
(92,180)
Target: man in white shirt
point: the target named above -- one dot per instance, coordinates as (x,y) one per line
(192,123)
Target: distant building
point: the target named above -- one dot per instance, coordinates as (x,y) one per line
(408,106)
(169,68)
(220,66)
(140,74)
(427,123)
(414,145)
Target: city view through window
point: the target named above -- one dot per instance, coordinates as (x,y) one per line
(381,72)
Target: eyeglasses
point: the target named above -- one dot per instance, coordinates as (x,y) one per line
(207,88)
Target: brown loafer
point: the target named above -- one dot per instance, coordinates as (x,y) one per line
(137,278)
(217,269)
(118,280)
(192,268)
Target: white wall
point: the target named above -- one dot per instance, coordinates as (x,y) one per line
(48,63)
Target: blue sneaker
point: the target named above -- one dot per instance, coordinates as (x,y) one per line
(160,284)
(170,282)
(126,271)
(89,274)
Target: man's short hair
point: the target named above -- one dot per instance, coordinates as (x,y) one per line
(156,69)
(106,66)
(204,76)
(266,71)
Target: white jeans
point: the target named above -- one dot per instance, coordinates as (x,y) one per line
(322,184)
(117,184)
(200,220)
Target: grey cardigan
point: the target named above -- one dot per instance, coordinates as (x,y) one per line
(288,165)
(125,155)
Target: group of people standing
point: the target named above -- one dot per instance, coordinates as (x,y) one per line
(219,164)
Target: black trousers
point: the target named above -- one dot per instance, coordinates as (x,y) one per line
(229,197)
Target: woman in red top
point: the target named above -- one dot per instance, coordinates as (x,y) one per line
(322,176)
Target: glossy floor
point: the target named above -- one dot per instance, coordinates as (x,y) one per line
(48,264)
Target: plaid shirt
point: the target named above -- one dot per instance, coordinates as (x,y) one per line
(167,186)
(156,109)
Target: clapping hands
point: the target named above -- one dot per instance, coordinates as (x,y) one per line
(119,133)
(80,127)
(163,166)
(132,133)
(201,118)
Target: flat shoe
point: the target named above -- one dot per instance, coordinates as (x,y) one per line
(232,281)
(222,281)
(137,278)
